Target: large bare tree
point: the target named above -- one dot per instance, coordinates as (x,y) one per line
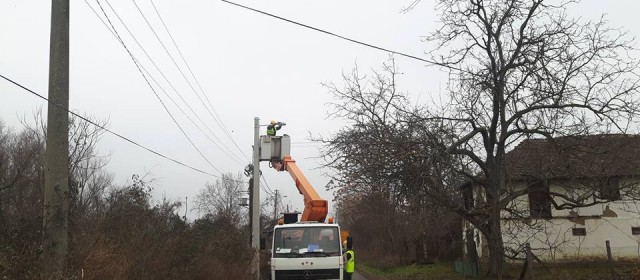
(517,69)
(523,68)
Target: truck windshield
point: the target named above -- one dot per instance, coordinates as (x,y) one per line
(306,242)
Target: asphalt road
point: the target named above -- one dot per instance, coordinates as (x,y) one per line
(357,276)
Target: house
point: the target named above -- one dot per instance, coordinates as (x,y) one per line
(578,192)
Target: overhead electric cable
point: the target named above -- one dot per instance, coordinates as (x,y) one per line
(191,120)
(171,85)
(329,33)
(157,83)
(270,191)
(108,130)
(219,122)
(224,128)
(153,90)
(216,118)
(266,191)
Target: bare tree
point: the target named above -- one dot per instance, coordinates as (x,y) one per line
(21,193)
(385,157)
(519,69)
(22,178)
(88,179)
(221,199)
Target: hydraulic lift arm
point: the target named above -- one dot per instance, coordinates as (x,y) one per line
(315,208)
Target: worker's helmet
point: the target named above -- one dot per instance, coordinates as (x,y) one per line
(273,122)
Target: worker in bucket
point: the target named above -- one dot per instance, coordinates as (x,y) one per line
(273,127)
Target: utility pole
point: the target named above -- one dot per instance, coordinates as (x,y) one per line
(55,222)
(275,206)
(255,201)
(186,207)
(250,209)
(287,211)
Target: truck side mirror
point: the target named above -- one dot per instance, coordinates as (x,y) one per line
(263,242)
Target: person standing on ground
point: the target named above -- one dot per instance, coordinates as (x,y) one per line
(350,262)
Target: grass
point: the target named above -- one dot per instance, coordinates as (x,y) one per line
(573,270)
(428,271)
(587,270)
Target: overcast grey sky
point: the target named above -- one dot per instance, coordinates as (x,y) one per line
(248,64)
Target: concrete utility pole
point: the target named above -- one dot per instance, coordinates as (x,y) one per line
(283,197)
(251,209)
(255,201)
(186,207)
(55,237)
(275,206)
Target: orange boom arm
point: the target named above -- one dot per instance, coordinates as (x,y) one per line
(315,208)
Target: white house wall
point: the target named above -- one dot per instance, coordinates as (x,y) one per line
(477,237)
(553,239)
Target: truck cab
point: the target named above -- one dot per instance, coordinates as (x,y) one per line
(306,250)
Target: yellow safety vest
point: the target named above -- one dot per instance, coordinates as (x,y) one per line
(351,263)
(271,130)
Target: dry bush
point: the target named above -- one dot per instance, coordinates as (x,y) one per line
(138,241)
(386,234)
(115,232)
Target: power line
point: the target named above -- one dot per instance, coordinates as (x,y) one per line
(224,129)
(218,121)
(108,130)
(153,90)
(157,83)
(329,33)
(266,185)
(265,13)
(170,84)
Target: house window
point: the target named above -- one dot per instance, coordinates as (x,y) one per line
(635,230)
(579,231)
(539,200)
(610,188)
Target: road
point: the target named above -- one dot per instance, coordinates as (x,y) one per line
(357,276)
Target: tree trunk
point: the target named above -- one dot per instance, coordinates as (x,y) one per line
(496,245)
(423,242)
